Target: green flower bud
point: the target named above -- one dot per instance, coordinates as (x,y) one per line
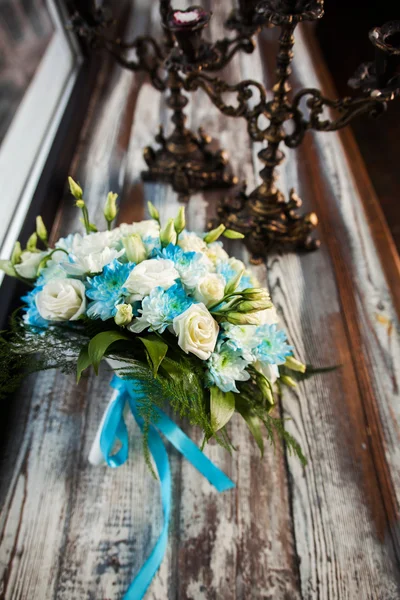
(41,229)
(153,212)
(168,234)
(233,283)
(237,318)
(16,254)
(134,247)
(265,388)
(75,189)
(214,234)
(110,207)
(7,267)
(288,381)
(180,221)
(124,314)
(295,365)
(80,204)
(233,235)
(257,294)
(253,305)
(32,243)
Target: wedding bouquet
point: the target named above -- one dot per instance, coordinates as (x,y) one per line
(186,320)
(182,324)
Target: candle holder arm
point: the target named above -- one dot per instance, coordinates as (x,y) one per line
(245,106)
(347,109)
(149,54)
(224,50)
(149,59)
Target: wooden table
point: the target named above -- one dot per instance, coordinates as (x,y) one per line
(329,531)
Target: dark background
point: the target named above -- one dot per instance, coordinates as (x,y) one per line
(343,37)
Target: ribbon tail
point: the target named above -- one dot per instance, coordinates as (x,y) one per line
(114,428)
(192,453)
(140,584)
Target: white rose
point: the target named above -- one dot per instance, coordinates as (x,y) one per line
(236,264)
(82,263)
(62,300)
(269,316)
(150,274)
(197,331)
(86,244)
(190,242)
(28,266)
(149,228)
(210,289)
(88,254)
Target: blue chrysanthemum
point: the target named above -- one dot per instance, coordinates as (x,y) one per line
(191,266)
(32,316)
(226,366)
(179,257)
(152,245)
(106,290)
(241,338)
(272,346)
(160,308)
(228,273)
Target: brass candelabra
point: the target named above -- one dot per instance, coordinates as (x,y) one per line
(184,61)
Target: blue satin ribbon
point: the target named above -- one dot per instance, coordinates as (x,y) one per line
(114,430)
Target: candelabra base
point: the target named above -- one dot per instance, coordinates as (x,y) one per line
(266,219)
(186,162)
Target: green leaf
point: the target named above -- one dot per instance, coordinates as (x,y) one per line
(83,362)
(173,368)
(156,351)
(253,422)
(222,407)
(99,345)
(233,235)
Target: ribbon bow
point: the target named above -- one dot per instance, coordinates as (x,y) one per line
(114,429)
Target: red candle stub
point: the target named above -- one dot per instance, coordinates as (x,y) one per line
(187,17)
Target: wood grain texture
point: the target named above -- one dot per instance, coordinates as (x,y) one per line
(330,531)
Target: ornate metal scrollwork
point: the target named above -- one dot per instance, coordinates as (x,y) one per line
(178,64)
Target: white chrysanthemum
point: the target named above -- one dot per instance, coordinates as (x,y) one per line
(241,338)
(215,252)
(193,271)
(226,367)
(191,242)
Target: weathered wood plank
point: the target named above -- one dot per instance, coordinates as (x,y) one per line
(69,530)
(340,498)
